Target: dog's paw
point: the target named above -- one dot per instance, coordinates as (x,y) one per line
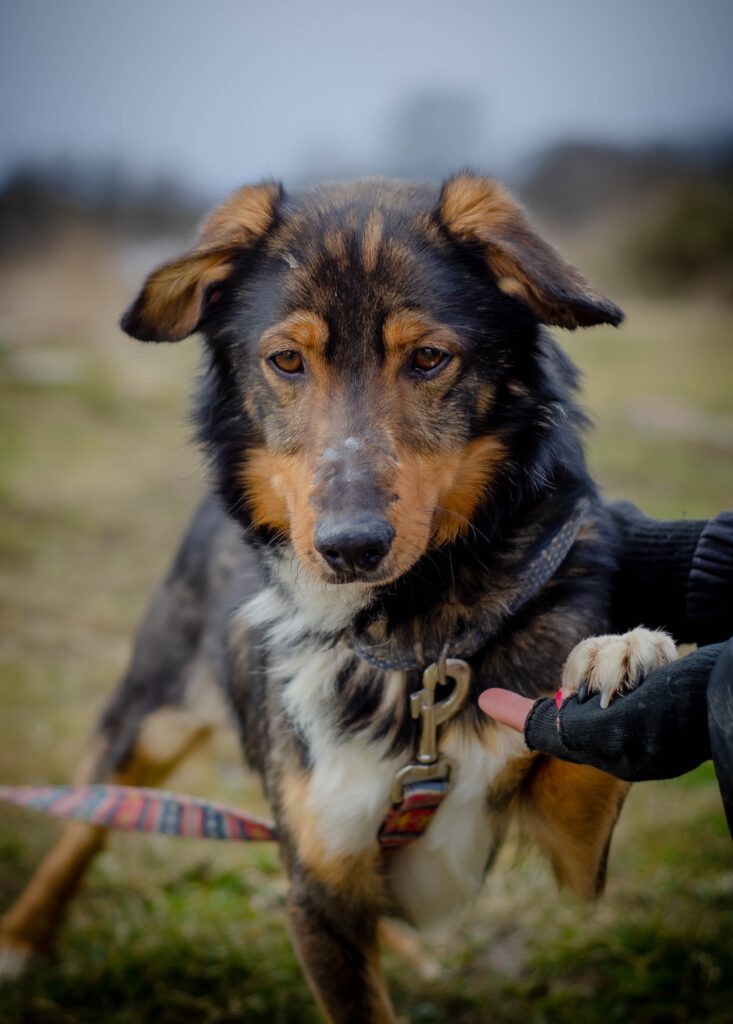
(16,960)
(398,938)
(611,664)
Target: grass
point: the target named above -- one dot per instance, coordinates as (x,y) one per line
(97,482)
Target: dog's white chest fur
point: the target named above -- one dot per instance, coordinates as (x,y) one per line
(351,781)
(434,876)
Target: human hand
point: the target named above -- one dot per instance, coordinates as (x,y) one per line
(657,731)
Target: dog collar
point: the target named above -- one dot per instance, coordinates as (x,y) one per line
(373,642)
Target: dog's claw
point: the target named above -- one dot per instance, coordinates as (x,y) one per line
(610,665)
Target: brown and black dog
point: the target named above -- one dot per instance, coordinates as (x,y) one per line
(396,436)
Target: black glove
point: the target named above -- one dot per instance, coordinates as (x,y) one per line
(658,731)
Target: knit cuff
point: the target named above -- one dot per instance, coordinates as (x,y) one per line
(654,563)
(710,589)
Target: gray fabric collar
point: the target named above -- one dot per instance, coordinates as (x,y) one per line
(478,624)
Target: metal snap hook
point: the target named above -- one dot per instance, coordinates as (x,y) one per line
(428,763)
(422,703)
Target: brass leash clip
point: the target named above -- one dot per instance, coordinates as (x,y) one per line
(429,764)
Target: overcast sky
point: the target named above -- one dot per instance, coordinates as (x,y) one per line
(223,91)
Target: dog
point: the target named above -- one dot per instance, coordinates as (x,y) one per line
(395,444)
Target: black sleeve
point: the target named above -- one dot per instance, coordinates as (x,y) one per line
(658,731)
(710,588)
(673,575)
(720,726)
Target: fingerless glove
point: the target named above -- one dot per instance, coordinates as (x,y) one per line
(658,731)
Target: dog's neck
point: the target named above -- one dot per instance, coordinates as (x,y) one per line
(461,598)
(454,600)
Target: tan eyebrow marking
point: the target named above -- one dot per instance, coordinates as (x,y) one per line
(407,327)
(303,328)
(371,240)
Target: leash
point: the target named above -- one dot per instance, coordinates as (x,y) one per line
(138,809)
(158,811)
(419,787)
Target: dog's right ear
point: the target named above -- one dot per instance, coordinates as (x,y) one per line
(480,211)
(174,297)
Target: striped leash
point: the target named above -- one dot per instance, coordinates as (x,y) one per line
(137,809)
(419,788)
(157,811)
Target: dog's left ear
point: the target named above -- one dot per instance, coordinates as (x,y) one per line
(479,210)
(175,297)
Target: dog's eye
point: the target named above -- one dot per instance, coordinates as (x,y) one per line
(427,360)
(289,362)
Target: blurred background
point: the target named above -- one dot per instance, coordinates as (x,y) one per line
(119,125)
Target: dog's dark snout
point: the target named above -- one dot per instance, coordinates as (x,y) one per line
(354,547)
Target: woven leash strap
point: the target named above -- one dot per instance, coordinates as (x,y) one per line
(135,809)
(409,819)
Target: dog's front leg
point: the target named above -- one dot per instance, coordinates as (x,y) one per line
(337,947)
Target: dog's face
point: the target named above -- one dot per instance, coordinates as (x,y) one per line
(368,342)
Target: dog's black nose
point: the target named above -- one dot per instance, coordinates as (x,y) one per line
(353,546)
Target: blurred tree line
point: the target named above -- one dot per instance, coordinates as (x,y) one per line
(40,199)
(666,211)
(671,207)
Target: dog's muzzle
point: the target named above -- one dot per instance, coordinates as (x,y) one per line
(353,534)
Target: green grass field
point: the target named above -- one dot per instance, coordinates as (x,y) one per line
(97,483)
